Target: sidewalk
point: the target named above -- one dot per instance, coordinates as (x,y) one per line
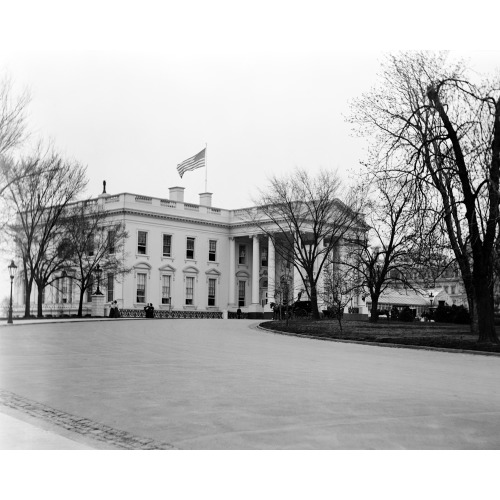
(16,434)
(22,321)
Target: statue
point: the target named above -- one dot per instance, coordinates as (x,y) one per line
(103,187)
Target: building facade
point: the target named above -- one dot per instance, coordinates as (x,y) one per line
(183,257)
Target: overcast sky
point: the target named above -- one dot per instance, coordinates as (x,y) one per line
(132,89)
(131,92)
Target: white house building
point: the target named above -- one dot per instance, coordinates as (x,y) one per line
(184,257)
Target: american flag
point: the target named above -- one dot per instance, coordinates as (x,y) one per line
(196,161)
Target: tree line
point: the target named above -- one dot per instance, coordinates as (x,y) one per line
(429,192)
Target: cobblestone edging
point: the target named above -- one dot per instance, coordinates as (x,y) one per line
(83,426)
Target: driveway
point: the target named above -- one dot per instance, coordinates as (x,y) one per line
(224,384)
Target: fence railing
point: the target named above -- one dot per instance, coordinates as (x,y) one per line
(163,314)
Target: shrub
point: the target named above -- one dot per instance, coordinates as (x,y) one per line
(453,314)
(406,315)
(460,315)
(442,314)
(394,313)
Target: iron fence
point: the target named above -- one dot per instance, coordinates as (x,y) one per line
(163,314)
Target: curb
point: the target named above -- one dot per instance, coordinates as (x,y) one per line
(381,344)
(21,322)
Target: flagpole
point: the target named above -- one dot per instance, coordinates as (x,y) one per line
(206,165)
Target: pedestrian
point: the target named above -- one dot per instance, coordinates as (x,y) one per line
(117,311)
(150,310)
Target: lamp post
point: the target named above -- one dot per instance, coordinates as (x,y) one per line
(431,298)
(12,272)
(98,272)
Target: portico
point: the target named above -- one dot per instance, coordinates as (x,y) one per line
(252,269)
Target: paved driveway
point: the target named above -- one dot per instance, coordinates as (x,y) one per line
(221,384)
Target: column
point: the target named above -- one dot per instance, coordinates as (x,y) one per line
(255,270)
(232,272)
(271,268)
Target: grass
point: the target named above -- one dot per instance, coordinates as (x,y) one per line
(449,336)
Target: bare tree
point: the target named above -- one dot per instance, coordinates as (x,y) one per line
(95,239)
(12,134)
(428,119)
(55,260)
(12,116)
(386,259)
(339,286)
(302,214)
(40,200)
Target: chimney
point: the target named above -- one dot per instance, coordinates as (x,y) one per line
(176,193)
(206,199)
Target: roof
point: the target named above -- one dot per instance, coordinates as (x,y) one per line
(412,298)
(403,298)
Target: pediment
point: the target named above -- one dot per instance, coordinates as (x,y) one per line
(191,269)
(167,268)
(213,272)
(142,265)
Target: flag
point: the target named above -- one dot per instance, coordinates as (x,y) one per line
(196,161)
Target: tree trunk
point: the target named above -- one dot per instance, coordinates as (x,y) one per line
(80,303)
(374,310)
(27,297)
(39,306)
(483,317)
(314,300)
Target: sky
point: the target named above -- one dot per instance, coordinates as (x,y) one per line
(130,93)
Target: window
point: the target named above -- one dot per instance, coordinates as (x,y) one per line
(142,240)
(66,289)
(241,293)
(110,287)
(263,258)
(141,288)
(111,241)
(453,289)
(242,254)
(165,289)
(167,245)
(190,248)
(189,290)
(212,250)
(211,291)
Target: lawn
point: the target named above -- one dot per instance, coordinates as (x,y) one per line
(441,335)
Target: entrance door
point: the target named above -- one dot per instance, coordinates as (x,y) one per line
(263,297)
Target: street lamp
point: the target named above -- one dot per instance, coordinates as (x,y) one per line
(12,272)
(98,272)
(431,297)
